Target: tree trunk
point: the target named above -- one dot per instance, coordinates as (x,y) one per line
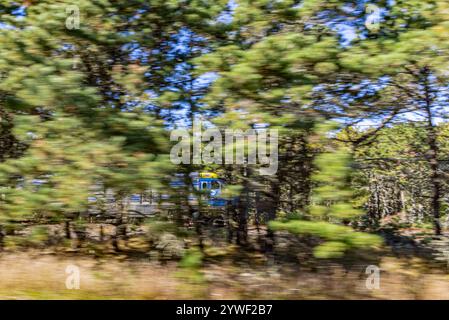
(242,231)
(2,238)
(271,214)
(230,212)
(433,156)
(243,204)
(67,229)
(101,233)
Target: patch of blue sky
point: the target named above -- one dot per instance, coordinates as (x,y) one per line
(20,11)
(354,27)
(6,26)
(226,16)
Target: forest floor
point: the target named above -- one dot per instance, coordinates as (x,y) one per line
(226,273)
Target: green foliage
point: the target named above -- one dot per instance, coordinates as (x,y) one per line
(79,100)
(331,206)
(89,109)
(190,265)
(193,259)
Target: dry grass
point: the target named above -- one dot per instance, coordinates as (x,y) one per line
(33,275)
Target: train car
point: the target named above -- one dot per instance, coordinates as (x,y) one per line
(209,183)
(208,187)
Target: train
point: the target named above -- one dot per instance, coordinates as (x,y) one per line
(208,191)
